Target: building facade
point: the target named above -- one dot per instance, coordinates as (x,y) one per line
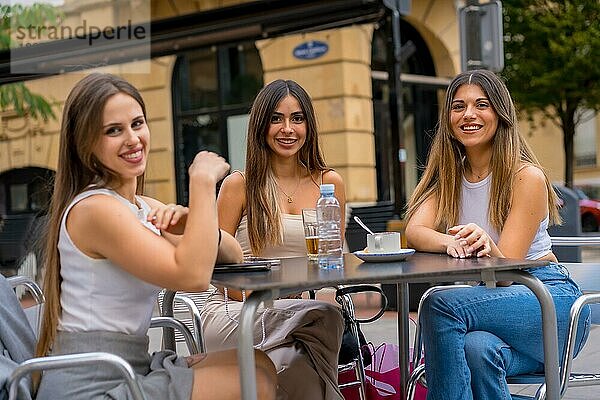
(199,100)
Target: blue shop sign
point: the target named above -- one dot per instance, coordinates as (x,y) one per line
(310,50)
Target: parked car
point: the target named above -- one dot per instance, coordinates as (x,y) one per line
(589,210)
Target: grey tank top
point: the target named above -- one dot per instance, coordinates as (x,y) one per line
(475,199)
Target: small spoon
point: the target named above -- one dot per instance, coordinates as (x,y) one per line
(366,228)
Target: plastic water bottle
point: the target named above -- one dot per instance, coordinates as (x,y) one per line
(329,222)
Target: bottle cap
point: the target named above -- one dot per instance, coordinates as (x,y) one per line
(327,188)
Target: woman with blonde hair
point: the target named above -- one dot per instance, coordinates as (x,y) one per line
(109,250)
(484,193)
(262,208)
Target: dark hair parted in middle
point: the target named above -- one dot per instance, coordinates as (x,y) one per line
(263,210)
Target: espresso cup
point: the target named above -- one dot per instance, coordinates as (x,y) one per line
(384,242)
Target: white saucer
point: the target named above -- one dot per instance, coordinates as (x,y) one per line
(384,257)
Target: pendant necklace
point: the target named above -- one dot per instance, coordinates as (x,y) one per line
(289,196)
(483,175)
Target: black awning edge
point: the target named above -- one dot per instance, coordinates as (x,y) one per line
(248,21)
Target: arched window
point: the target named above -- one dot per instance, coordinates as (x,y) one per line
(24,200)
(213,89)
(25,190)
(420,108)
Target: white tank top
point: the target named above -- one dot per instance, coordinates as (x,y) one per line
(474,207)
(97,295)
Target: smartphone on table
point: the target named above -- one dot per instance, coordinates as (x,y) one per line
(246,266)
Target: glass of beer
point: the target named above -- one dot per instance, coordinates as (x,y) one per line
(309,220)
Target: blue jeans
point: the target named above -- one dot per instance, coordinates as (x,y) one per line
(475,337)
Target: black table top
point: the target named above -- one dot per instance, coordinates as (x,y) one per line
(299,272)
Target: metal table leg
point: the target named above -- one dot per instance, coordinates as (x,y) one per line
(549,327)
(246,342)
(403,336)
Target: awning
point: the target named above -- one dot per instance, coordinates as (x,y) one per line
(248,21)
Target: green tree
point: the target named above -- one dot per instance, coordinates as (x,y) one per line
(552,58)
(17,96)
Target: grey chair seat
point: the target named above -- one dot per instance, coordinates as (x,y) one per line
(28,325)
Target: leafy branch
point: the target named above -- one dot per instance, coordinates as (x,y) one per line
(16,96)
(552,51)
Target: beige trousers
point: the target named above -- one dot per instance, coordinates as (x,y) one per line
(302,338)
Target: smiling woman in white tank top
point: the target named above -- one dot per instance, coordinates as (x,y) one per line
(484,194)
(109,250)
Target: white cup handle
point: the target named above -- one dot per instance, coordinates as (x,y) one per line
(377,242)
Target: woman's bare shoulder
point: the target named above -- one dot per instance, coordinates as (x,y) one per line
(530,184)
(233,190)
(235,180)
(98,212)
(97,202)
(331,176)
(530,174)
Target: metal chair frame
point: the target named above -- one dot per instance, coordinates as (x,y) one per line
(74,360)
(345,301)
(567,377)
(418,373)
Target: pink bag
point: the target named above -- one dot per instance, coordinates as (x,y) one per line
(382,376)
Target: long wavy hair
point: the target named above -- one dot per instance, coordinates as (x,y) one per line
(447,158)
(262,206)
(78,168)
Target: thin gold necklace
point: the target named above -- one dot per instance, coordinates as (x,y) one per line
(289,196)
(483,174)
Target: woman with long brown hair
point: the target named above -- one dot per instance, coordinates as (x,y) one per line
(262,208)
(109,250)
(483,194)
